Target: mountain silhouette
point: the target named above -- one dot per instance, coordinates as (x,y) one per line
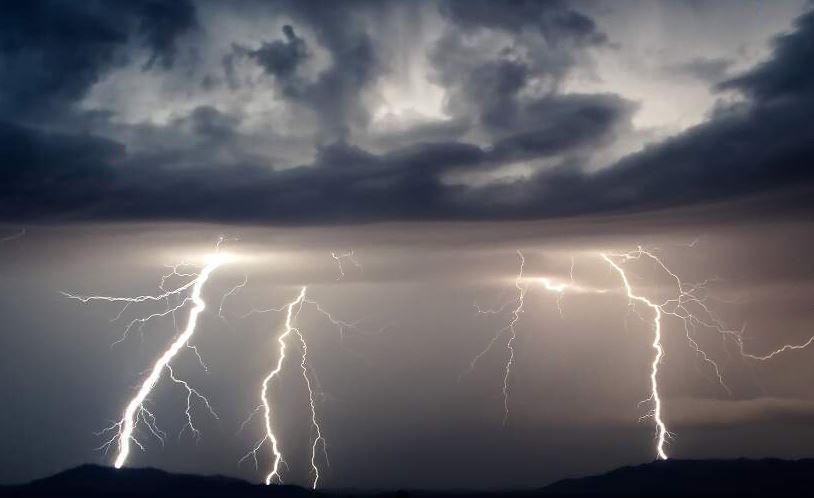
(98,481)
(771,478)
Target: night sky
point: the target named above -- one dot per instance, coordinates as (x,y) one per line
(433,140)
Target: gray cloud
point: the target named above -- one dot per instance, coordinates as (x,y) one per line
(52,52)
(557,21)
(710,70)
(786,75)
(759,146)
(280,58)
(336,92)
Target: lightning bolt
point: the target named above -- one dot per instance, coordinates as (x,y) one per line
(561,288)
(290,330)
(270,437)
(136,411)
(517,305)
(661,429)
(231,292)
(318,438)
(511,327)
(521,301)
(292,311)
(782,349)
(338,257)
(557,288)
(688,304)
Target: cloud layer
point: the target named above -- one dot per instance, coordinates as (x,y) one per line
(505,139)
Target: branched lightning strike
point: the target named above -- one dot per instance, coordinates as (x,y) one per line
(661,429)
(270,437)
(292,311)
(557,288)
(687,298)
(338,257)
(518,303)
(521,298)
(561,288)
(191,393)
(343,326)
(231,292)
(318,440)
(136,413)
(689,305)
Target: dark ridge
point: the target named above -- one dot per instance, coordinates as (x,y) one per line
(99,481)
(741,477)
(674,478)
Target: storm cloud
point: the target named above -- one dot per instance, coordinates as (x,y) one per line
(501,69)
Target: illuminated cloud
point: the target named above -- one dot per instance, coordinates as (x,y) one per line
(288,124)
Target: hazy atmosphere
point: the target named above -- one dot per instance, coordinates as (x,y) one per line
(441,245)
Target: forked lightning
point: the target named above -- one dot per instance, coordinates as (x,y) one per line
(124,431)
(688,303)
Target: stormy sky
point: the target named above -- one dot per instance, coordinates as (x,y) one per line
(434,139)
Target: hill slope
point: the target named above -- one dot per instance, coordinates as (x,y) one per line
(98,481)
(770,478)
(674,478)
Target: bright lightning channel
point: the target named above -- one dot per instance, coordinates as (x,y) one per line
(318,444)
(292,311)
(136,411)
(688,304)
(290,329)
(521,301)
(270,436)
(661,429)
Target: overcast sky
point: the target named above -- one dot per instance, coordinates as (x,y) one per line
(324,112)
(434,139)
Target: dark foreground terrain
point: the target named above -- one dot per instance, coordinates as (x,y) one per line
(769,478)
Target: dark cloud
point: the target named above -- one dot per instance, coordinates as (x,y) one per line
(555,20)
(788,74)
(53,51)
(763,144)
(760,145)
(160,22)
(556,124)
(495,85)
(281,58)
(546,41)
(345,183)
(213,124)
(46,174)
(335,95)
(710,70)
